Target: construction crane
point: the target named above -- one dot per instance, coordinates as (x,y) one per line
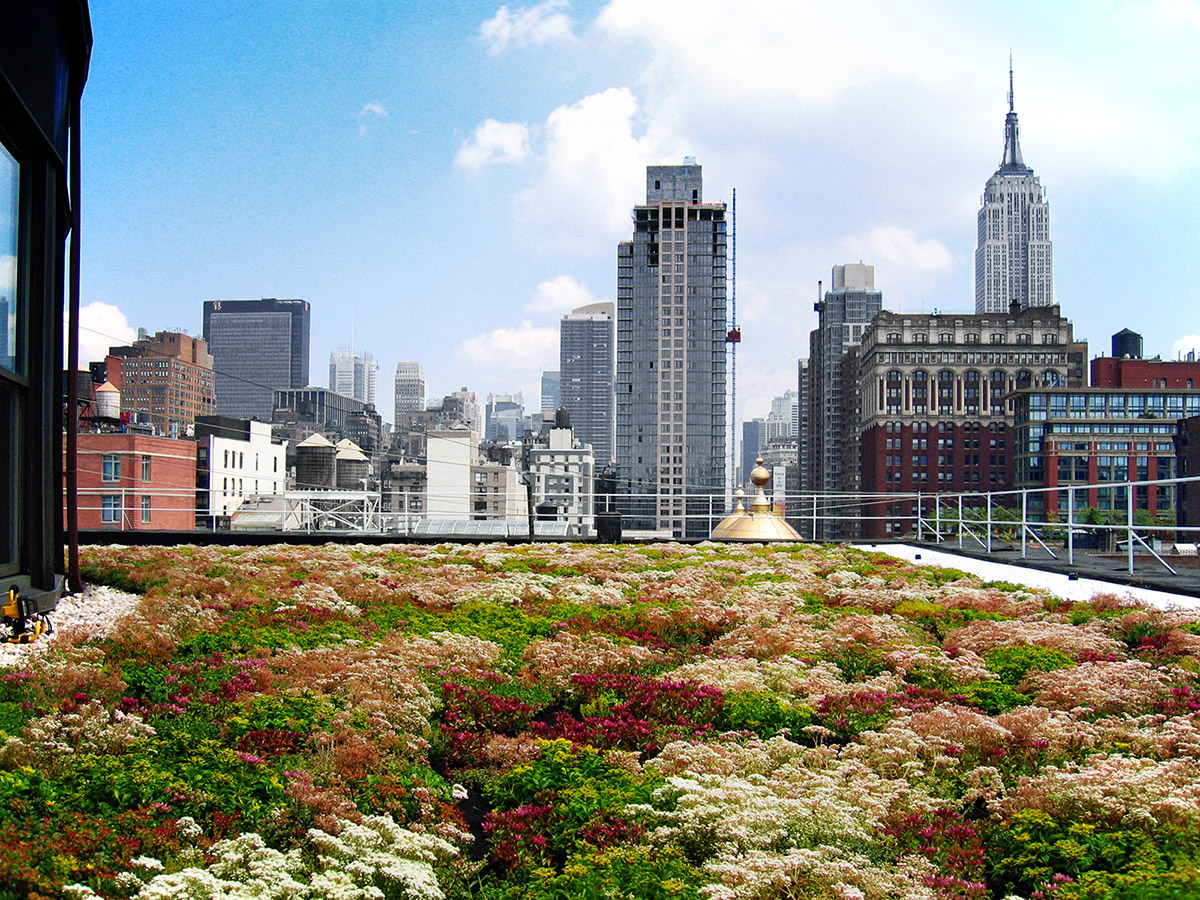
(733,337)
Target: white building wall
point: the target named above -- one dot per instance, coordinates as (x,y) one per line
(448,456)
(564,474)
(239,469)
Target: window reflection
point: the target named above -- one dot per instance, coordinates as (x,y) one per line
(8,260)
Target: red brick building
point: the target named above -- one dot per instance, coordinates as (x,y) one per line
(136,482)
(166,380)
(933,404)
(1155,374)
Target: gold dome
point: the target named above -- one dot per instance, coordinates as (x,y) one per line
(759,524)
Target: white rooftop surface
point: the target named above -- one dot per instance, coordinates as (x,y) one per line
(1082,589)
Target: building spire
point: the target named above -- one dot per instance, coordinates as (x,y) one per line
(1012,161)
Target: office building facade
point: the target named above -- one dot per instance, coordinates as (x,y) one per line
(844,314)
(354,375)
(670,369)
(586,376)
(504,417)
(1014,262)
(551,391)
(258,347)
(410,390)
(1081,443)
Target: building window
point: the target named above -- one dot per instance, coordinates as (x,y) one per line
(145,509)
(972,338)
(110,508)
(1024,338)
(1049,338)
(110,467)
(145,467)
(893,337)
(997,337)
(921,337)
(945,337)
(10,312)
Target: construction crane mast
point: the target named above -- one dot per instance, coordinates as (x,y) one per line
(733,337)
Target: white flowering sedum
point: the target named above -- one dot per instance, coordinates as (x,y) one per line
(91,728)
(370,860)
(738,803)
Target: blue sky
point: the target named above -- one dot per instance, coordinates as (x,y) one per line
(442,181)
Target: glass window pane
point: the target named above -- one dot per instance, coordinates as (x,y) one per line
(9,358)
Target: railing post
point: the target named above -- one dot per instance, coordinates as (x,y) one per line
(920,519)
(1071,525)
(1129,523)
(1024,523)
(960,522)
(814,518)
(989,522)
(937,517)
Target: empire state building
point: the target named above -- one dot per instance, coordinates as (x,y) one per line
(1013,260)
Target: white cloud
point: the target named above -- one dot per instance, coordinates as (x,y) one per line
(370,112)
(709,56)
(494,142)
(758,383)
(1191,343)
(101,326)
(526,348)
(534,25)
(594,172)
(784,47)
(8,275)
(559,296)
(901,249)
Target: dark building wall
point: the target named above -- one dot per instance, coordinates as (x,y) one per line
(752,445)
(1187,456)
(258,346)
(44,53)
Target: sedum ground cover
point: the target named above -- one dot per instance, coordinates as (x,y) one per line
(556,721)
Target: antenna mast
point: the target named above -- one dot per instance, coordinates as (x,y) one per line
(1010,83)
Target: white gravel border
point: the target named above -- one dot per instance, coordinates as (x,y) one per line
(1081,589)
(92,613)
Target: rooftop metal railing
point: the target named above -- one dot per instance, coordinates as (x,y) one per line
(971,519)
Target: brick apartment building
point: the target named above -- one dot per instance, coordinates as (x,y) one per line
(166,381)
(135,482)
(933,410)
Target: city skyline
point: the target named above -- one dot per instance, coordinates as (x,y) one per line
(540,118)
